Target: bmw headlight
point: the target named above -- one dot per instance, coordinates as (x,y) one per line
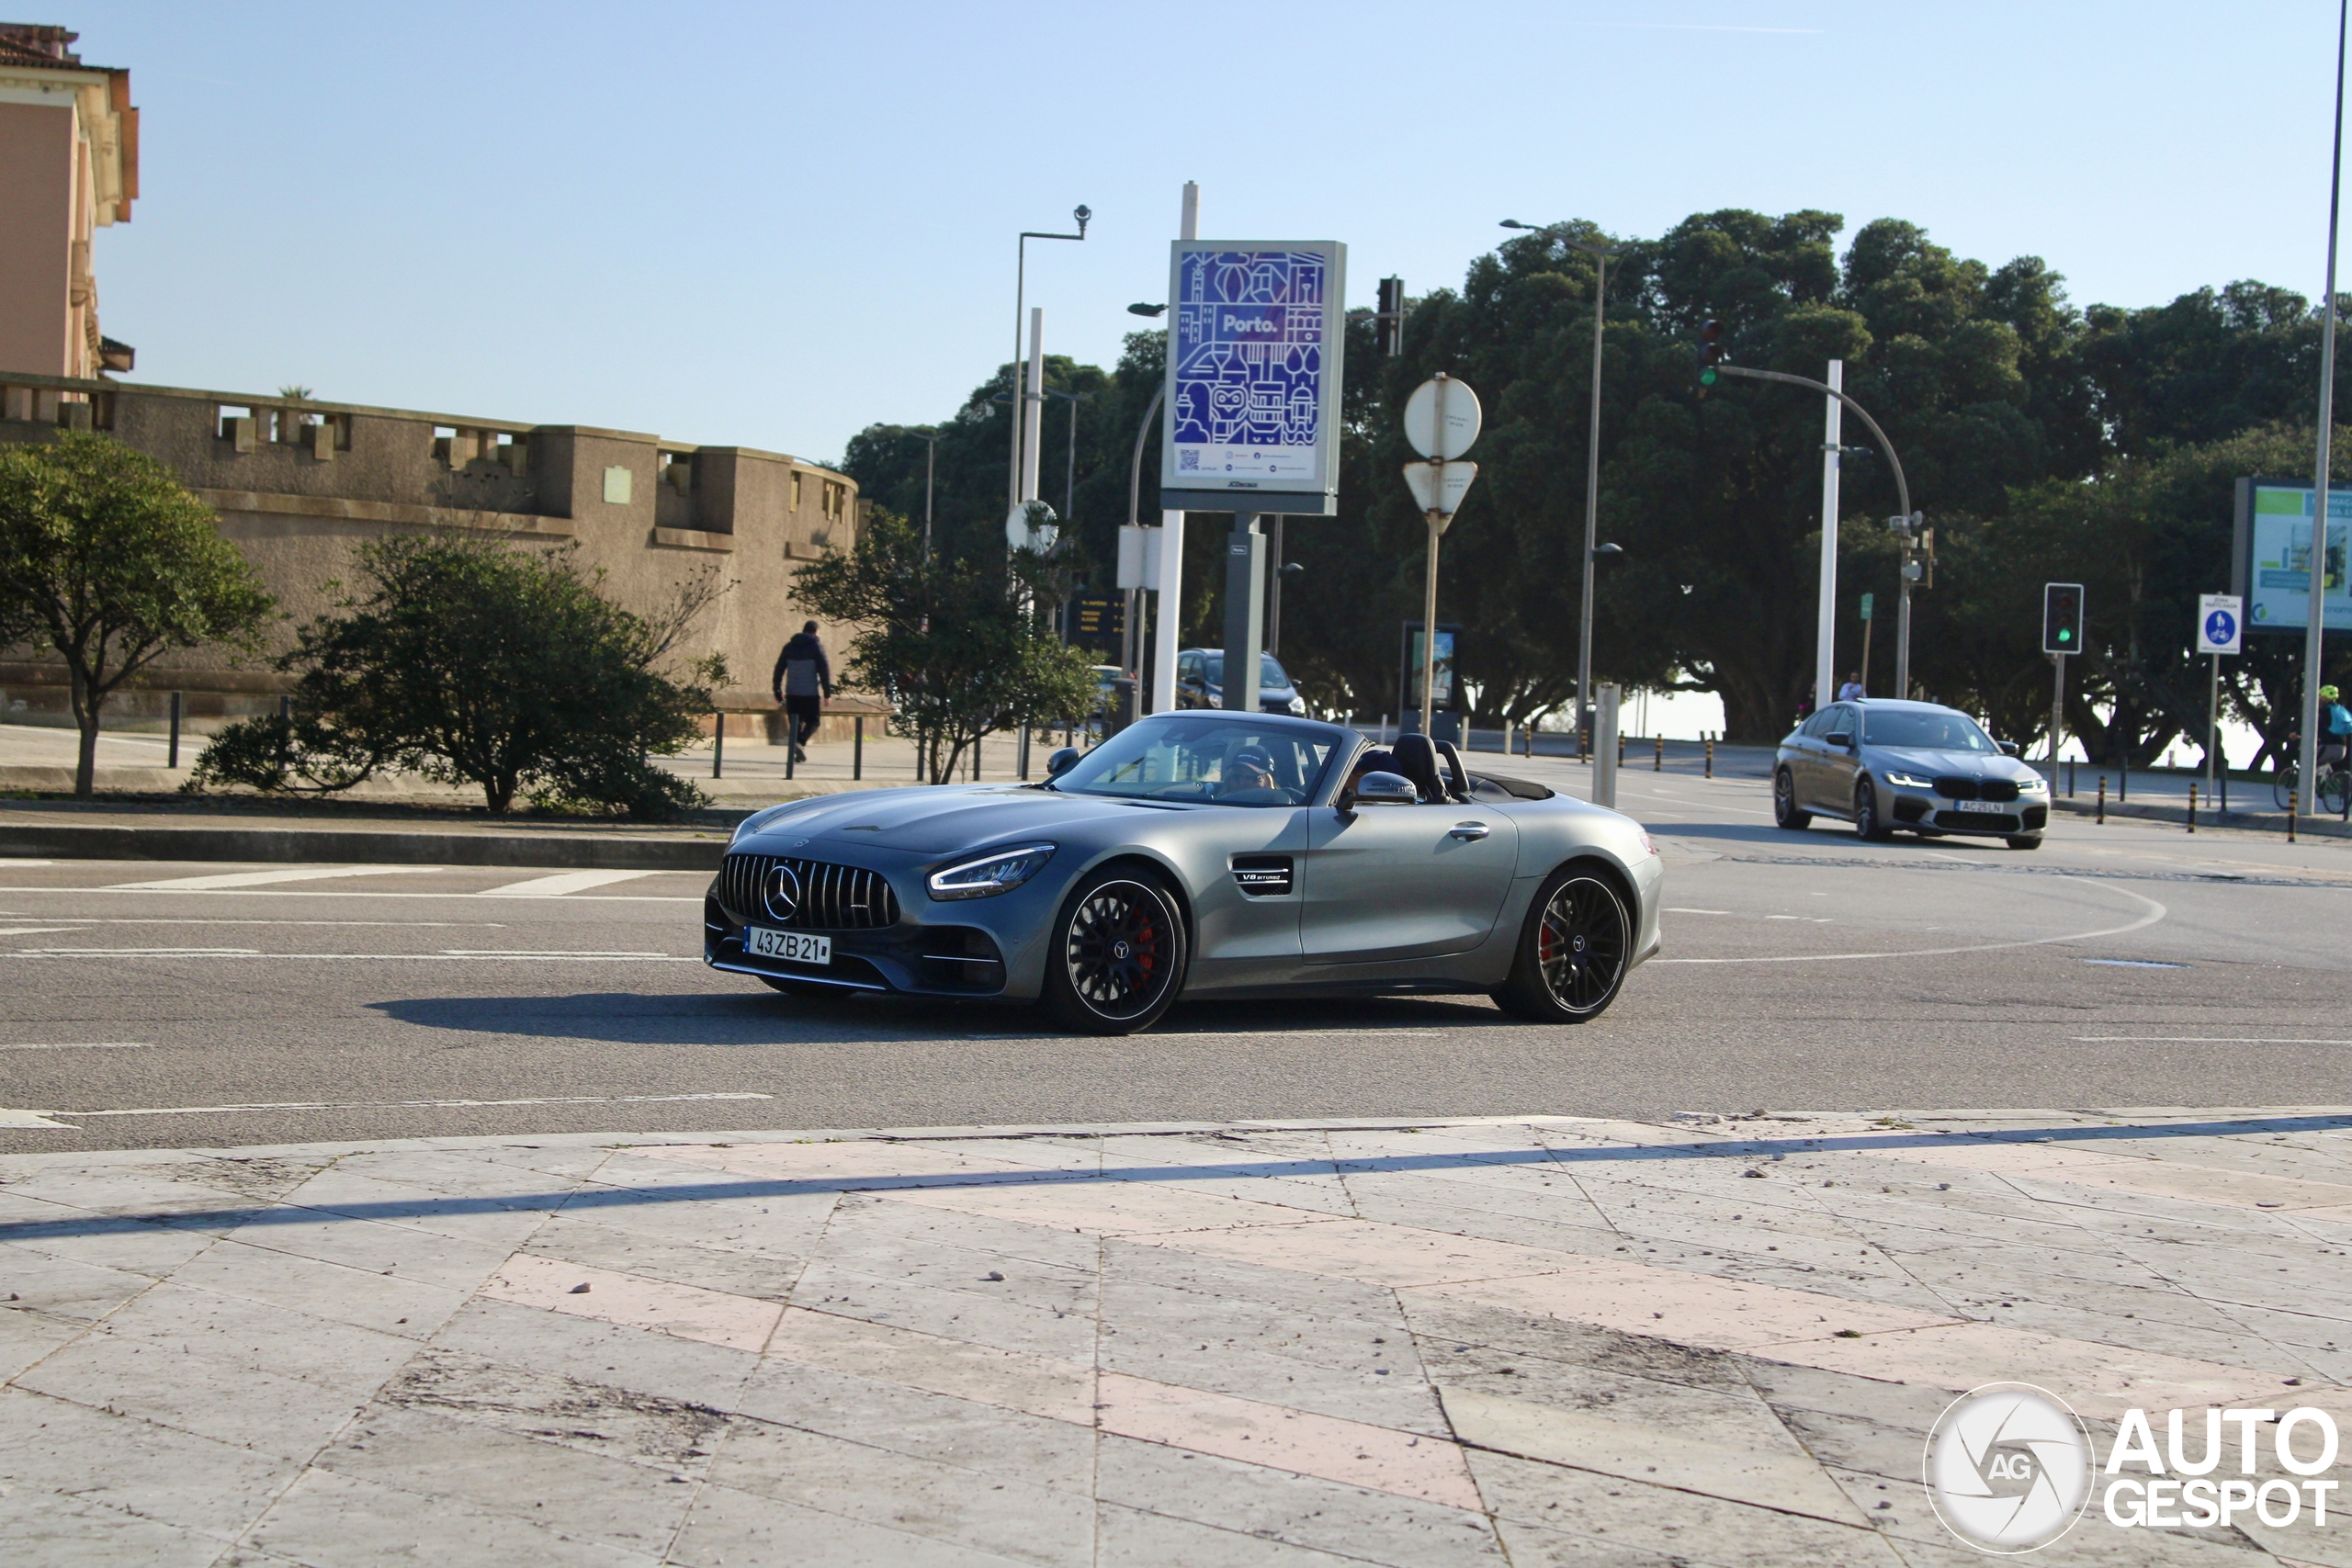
(1910,781)
(2033,783)
(1000,871)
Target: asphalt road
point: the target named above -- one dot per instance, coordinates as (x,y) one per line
(2124,964)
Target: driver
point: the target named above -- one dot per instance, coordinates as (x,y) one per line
(1248,769)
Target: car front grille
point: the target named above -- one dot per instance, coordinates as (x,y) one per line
(1976,822)
(1958,786)
(830,897)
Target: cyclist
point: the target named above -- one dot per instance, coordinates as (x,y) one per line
(2336,721)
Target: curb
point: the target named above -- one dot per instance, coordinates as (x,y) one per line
(2236,821)
(580,852)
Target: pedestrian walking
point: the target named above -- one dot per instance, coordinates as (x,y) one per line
(804,679)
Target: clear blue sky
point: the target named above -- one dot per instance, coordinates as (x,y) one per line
(773,224)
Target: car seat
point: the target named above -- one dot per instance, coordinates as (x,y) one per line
(1417,759)
(1457,777)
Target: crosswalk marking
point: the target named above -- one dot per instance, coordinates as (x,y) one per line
(561,883)
(261,878)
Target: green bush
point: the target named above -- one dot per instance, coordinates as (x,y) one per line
(467,660)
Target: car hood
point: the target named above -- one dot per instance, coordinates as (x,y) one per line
(930,821)
(1967,764)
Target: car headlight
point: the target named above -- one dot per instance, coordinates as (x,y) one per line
(1298,705)
(1910,781)
(2034,784)
(1000,871)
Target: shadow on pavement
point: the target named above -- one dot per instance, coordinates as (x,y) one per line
(761,1018)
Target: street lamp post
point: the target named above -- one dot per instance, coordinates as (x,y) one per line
(1600,254)
(2315,636)
(930,438)
(1020,302)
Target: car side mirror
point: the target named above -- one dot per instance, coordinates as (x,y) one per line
(1061,761)
(1385,789)
(2008,747)
(1842,739)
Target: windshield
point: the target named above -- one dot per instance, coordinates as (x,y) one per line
(1269,673)
(1206,759)
(1923,731)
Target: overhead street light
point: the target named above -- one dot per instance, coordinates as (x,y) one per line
(1083,214)
(930,438)
(1600,254)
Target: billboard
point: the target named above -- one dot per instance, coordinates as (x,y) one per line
(1442,668)
(2272,560)
(1255,335)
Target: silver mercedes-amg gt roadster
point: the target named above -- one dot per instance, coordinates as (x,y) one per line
(1197,854)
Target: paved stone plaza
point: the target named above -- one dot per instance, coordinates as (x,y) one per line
(1717,1339)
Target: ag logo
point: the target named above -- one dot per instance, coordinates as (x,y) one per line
(2007,1467)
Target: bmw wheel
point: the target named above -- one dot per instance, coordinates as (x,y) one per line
(1116,954)
(1573,951)
(1785,803)
(1867,823)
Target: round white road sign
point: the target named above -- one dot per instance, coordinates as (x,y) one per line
(1441,418)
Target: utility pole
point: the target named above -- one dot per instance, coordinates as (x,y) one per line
(1020,301)
(1168,630)
(1825,624)
(2314,636)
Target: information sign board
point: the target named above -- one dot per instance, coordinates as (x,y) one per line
(2273,562)
(2220,620)
(1255,337)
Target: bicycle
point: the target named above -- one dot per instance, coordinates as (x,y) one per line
(2334,793)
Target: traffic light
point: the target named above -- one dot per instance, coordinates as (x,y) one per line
(1710,351)
(2061,617)
(1389,325)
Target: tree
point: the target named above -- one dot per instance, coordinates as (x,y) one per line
(470,661)
(111,561)
(949,641)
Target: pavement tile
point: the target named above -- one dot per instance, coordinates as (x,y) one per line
(55,1530)
(731,1529)
(630,1506)
(27,1336)
(764,1275)
(1187,1279)
(1293,1509)
(688,1312)
(235,1403)
(885,1240)
(1016,1520)
(344,1521)
(130,1244)
(601,1418)
(399,1250)
(64,1289)
(985,1435)
(865,1219)
(1450,1331)
(975,1311)
(662,1365)
(1383,1385)
(1351,1452)
(1061,1390)
(836,1159)
(1108,1208)
(173,1318)
(1690,1441)
(1393,1256)
(1610,1513)
(154,1472)
(366,1298)
(1136,1538)
(483,1219)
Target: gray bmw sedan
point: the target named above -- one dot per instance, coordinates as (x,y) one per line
(1882,764)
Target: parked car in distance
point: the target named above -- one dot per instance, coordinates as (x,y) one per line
(1200,682)
(1882,764)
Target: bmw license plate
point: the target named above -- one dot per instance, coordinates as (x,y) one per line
(1998,809)
(791,946)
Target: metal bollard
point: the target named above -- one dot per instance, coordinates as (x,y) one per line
(2070,778)
(2292,802)
(791,743)
(1711,757)
(857,747)
(1658,758)
(2192,807)
(179,702)
(2102,800)
(2123,782)
(717,745)
(1621,750)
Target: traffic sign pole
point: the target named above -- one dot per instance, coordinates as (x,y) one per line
(1441,419)
(2219,624)
(2057,718)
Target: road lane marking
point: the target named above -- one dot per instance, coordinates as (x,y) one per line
(81,1045)
(2207,1040)
(36,930)
(2156,912)
(394,1104)
(1677,909)
(261,878)
(354,892)
(561,883)
(487,954)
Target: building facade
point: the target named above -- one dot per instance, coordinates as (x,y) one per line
(300,485)
(69,166)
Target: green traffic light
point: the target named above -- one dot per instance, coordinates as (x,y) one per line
(1707,376)
(2066,635)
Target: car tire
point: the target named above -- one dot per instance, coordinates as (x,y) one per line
(2025,841)
(1116,954)
(808,991)
(1785,804)
(1867,823)
(1574,949)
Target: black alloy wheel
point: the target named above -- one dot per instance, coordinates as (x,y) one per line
(1785,803)
(1573,952)
(1118,953)
(1867,823)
